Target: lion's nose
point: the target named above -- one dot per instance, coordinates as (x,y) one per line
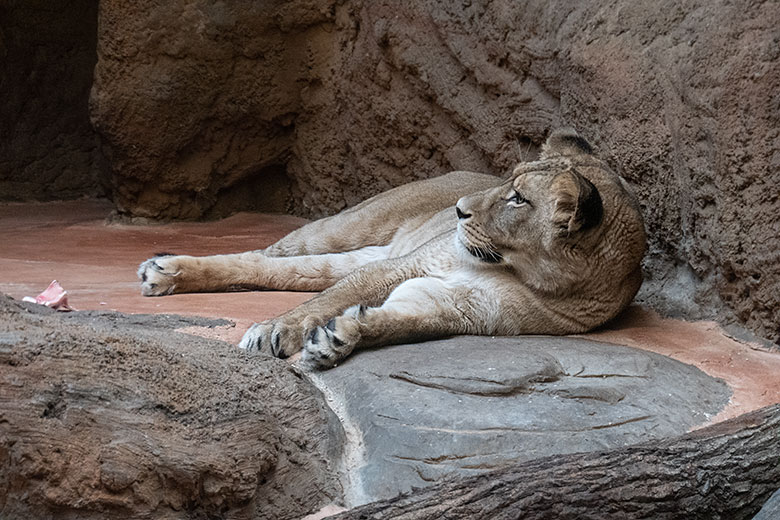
(461,214)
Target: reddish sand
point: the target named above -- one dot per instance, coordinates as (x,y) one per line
(752,371)
(96,263)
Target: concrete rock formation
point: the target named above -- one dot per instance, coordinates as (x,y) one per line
(107,415)
(113,414)
(312,106)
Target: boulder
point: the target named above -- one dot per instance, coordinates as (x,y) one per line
(726,470)
(425,413)
(771,509)
(104,415)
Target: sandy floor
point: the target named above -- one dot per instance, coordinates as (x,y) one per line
(96,263)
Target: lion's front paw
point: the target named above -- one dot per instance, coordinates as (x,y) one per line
(329,344)
(158,275)
(282,339)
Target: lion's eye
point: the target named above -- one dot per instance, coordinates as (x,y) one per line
(516,200)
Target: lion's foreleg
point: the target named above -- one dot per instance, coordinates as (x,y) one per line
(369,285)
(418,309)
(179,274)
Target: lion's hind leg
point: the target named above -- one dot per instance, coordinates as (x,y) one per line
(172,274)
(375,221)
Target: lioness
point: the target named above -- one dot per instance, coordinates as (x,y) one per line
(554,249)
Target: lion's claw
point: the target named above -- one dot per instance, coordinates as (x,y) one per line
(281,339)
(327,345)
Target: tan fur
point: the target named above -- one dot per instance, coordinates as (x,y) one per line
(554,249)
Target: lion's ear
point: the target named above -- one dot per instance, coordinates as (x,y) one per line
(565,142)
(578,204)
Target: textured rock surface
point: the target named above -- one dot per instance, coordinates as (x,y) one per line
(104,415)
(48,149)
(314,106)
(416,414)
(198,101)
(725,471)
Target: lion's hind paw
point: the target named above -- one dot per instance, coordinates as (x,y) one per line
(158,276)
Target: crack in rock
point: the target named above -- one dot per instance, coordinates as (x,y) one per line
(477,385)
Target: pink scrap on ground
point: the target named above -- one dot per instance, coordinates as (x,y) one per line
(54,296)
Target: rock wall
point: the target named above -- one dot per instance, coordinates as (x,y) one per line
(48,149)
(198,101)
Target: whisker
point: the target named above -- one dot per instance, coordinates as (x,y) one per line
(489,256)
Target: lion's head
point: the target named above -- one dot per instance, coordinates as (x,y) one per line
(563,224)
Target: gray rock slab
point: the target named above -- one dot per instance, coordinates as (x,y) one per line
(416,414)
(771,510)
